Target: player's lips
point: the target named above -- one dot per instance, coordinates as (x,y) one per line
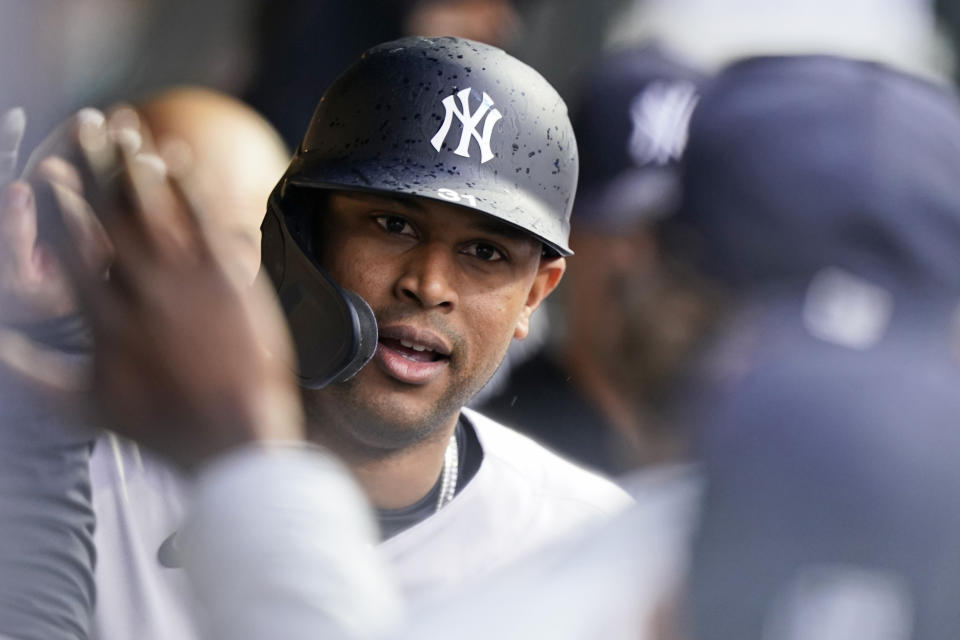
(411,355)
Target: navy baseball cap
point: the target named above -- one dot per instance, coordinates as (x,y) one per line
(799,163)
(631,121)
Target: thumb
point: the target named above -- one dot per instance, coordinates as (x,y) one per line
(18,229)
(41,368)
(13,123)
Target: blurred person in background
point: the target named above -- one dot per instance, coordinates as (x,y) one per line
(823,195)
(232,178)
(301,46)
(629,317)
(495,22)
(948,12)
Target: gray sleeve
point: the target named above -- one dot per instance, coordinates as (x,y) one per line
(280,544)
(47,553)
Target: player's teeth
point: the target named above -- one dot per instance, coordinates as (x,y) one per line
(415,347)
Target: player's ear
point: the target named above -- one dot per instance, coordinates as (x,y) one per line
(548,277)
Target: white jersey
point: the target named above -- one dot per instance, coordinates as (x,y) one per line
(522,497)
(139,503)
(609,582)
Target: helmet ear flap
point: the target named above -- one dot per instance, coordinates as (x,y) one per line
(272,249)
(334,331)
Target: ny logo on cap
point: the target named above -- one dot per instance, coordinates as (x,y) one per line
(661,116)
(469,122)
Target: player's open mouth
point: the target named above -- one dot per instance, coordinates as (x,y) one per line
(411,356)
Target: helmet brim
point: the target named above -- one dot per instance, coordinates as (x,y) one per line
(396,178)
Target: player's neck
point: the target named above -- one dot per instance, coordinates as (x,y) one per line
(404,477)
(391,478)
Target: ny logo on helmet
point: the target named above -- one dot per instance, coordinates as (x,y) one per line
(469,122)
(661,117)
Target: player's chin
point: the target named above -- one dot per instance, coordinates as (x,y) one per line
(413,406)
(395,426)
(421,410)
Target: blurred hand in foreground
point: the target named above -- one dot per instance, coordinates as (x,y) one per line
(32,286)
(188,359)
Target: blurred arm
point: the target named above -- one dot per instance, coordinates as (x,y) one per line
(280,544)
(46,520)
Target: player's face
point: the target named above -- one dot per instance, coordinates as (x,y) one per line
(450,288)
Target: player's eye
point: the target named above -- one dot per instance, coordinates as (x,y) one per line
(484,251)
(396,224)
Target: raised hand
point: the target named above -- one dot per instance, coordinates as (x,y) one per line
(13,124)
(188,359)
(32,288)
(37,304)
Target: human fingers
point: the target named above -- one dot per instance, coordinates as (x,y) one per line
(100,164)
(61,141)
(18,229)
(161,218)
(32,284)
(13,123)
(42,368)
(121,184)
(56,169)
(196,223)
(124,117)
(88,253)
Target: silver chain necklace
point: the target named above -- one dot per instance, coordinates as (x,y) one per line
(451,469)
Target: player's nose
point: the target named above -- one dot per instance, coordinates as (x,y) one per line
(429,277)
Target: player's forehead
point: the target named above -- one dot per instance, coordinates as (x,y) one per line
(427,211)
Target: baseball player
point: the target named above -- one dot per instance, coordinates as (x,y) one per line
(430,200)
(435,180)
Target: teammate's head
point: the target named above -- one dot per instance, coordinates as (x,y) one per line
(797,164)
(237,158)
(631,119)
(824,193)
(630,318)
(435,180)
